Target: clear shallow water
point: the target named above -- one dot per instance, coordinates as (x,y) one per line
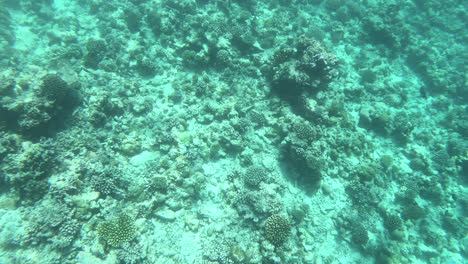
(233,132)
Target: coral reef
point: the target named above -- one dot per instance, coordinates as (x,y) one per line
(306,68)
(54,88)
(277,229)
(255,175)
(233,131)
(118,231)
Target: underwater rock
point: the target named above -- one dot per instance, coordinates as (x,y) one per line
(166,215)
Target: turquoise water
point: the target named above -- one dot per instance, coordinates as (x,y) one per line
(229,132)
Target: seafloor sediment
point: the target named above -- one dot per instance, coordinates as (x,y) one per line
(229,132)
